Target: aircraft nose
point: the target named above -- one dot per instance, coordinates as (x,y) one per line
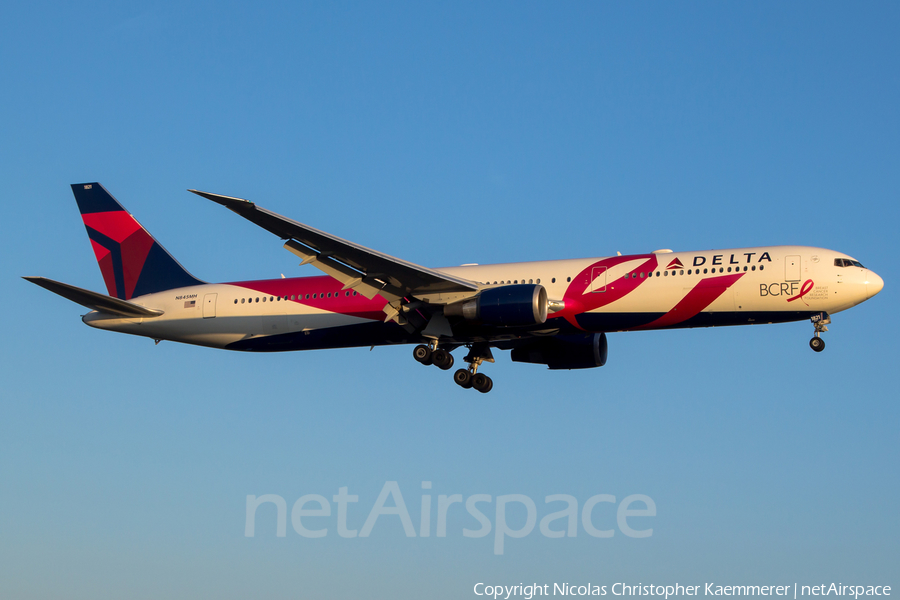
(874,283)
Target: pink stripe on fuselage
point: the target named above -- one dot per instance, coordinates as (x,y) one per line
(339,302)
(701,296)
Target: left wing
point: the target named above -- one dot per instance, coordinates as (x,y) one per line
(368,271)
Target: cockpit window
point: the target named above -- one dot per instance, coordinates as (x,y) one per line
(846,262)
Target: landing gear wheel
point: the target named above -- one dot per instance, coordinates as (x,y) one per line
(423,354)
(482,383)
(463,378)
(442,359)
(819,321)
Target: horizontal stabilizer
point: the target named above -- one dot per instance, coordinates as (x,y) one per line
(93,300)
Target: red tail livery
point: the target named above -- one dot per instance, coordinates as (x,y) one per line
(131,261)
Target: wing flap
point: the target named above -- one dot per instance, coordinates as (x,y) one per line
(93,300)
(351,278)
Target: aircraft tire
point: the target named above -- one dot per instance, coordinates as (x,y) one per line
(463,378)
(482,383)
(817,344)
(442,359)
(423,354)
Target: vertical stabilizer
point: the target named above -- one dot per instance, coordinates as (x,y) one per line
(132,262)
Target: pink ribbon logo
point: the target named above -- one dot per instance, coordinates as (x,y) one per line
(804,290)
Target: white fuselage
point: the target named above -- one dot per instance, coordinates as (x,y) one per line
(652,291)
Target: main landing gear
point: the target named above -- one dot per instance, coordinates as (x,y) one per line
(430,354)
(471,378)
(819,321)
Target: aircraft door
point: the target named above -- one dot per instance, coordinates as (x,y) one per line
(209,306)
(598,279)
(792,268)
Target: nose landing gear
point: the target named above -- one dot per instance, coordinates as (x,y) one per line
(819,321)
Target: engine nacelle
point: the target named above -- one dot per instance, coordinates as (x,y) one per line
(564,352)
(506,306)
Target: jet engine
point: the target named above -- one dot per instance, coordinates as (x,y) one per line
(564,352)
(506,306)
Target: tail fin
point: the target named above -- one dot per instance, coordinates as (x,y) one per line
(131,261)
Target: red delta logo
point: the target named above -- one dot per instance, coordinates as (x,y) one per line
(675,264)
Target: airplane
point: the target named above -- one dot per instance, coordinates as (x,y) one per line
(555,313)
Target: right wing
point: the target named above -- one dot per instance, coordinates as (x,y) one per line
(368,271)
(93,300)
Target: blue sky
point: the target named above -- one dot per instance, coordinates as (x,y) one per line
(446,134)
